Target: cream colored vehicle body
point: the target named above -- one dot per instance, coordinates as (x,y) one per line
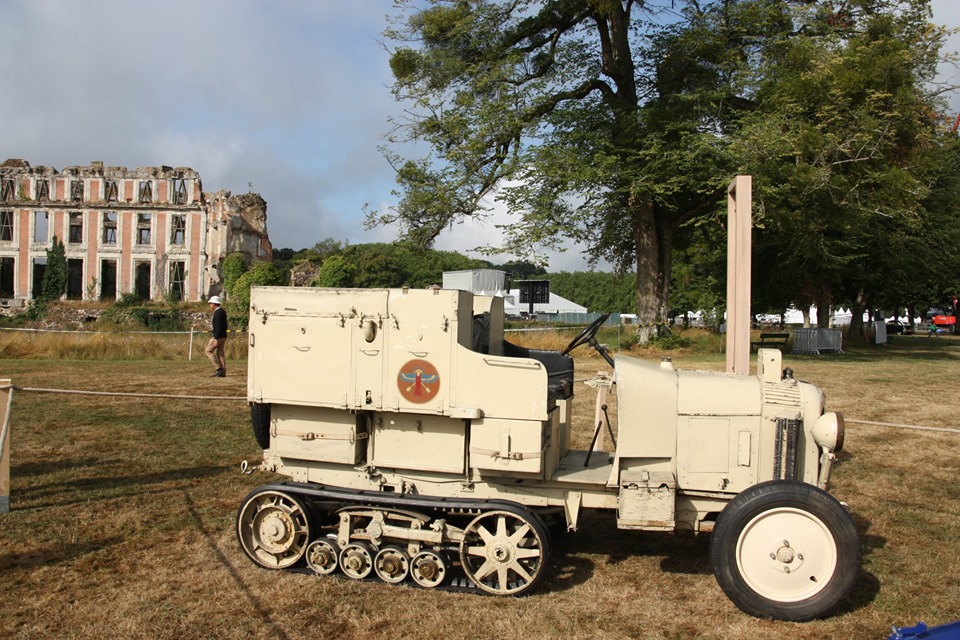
(412,401)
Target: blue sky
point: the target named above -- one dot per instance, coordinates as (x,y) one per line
(287,98)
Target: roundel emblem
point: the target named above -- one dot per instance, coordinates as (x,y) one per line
(418,381)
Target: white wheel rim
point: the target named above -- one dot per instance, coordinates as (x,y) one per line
(786,554)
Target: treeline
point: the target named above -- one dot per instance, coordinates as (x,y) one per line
(331,263)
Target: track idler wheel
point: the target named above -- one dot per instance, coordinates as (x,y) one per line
(274,528)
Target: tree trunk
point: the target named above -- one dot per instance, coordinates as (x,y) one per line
(649,275)
(823,311)
(857,307)
(665,264)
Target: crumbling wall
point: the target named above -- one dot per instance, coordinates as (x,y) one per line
(237,224)
(304,273)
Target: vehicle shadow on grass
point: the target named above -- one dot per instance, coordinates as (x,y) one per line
(598,542)
(55,553)
(262,611)
(680,553)
(40,496)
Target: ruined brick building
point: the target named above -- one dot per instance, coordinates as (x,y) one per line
(150,231)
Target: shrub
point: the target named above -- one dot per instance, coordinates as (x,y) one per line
(233,266)
(669,342)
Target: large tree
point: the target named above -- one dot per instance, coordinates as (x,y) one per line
(602,121)
(845,148)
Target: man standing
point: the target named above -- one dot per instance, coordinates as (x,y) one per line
(218,341)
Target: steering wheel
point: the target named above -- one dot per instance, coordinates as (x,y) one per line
(589,335)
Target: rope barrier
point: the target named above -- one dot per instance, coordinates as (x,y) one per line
(123,394)
(114,333)
(903,426)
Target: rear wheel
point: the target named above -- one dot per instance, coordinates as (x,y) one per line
(260,418)
(505,552)
(785,550)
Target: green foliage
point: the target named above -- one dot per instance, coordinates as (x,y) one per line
(596,290)
(841,152)
(238,306)
(828,109)
(128,299)
(391,265)
(669,342)
(336,271)
(37,310)
(234,265)
(54,284)
(129,311)
(326,248)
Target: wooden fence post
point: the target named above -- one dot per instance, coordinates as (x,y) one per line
(6,402)
(739,220)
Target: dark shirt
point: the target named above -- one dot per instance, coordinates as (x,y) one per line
(219,323)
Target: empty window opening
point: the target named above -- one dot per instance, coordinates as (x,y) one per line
(40,226)
(43,190)
(146,192)
(179,191)
(39,268)
(74,279)
(144,221)
(111,193)
(108,280)
(7,272)
(7,190)
(76,190)
(109,227)
(6,226)
(177,280)
(76,227)
(142,280)
(178,228)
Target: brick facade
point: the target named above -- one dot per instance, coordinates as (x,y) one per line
(148,231)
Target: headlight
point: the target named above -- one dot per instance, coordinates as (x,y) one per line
(828,431)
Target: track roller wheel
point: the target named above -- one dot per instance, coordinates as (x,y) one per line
(322,556)
(356,560)
(428,569)
(392,565)
(505,552)
(273,528)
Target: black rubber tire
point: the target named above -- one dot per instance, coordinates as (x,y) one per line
(785,502)
(260,417)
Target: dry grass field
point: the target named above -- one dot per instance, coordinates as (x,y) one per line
(122,516)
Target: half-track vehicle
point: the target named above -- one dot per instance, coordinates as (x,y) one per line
(422,447)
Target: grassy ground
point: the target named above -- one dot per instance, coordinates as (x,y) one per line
(123,512)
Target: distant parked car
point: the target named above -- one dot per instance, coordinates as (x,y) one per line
(895,326)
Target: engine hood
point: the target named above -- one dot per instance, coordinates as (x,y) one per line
(707,393)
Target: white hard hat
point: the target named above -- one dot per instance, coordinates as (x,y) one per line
(214,299)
